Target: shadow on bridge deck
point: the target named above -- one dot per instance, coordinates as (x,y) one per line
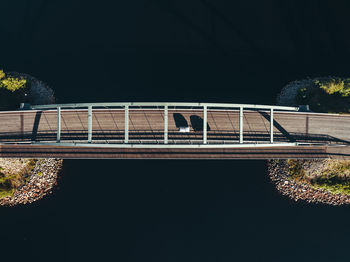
(144,136)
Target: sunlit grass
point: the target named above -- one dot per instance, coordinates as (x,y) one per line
(334,176)
(10,182)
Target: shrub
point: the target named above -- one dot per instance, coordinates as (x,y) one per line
(13,91)
(2,74)
(13,84)
(326,95)
(335,86)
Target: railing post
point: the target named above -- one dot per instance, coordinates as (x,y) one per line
(205,124)
(126,124)
(58,124)
(271,125)
(89,124)
(165,124)
(241,125)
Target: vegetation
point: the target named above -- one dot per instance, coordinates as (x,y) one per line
(296,170)
(332,95)
(334,175)
(327,94)
(13,90)
(10,182)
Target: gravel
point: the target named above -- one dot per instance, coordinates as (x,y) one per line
(278,170)
(278,173)
(43,178)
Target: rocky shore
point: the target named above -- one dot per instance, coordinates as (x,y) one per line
(43,178)
(288,94)
(40,182)
(279,175)
(278,169)
(40,93)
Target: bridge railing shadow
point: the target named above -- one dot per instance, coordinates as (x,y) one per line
(174,136)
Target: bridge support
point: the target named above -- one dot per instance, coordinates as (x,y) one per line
(241,125)
(271,125)
(165,124)
(205,109)
(58,125)
(89,124)
(126,124)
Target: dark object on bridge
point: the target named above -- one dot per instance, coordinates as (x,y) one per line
(197,123)
(36,125)
(180,120)
(304,108)
(279,127)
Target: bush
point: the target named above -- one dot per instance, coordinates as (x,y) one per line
(2,74)
(327,95)
(13,91)
(13,84)
(334,86)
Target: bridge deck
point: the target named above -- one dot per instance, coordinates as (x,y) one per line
(148,125)
(108,124)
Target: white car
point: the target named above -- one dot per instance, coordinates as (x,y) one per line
(184,129)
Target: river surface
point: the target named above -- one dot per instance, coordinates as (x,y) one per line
(138,210)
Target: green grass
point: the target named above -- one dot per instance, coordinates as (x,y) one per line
(335,177)
(10,182)
(7,185)
(331,95)
(6,192)
(334,186)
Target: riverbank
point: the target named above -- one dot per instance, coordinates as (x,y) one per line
(297,190)
(312,181)
(40,181)
(23,181)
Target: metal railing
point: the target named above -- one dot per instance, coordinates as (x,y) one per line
(165,106)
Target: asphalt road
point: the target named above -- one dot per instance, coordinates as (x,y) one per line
(148,126)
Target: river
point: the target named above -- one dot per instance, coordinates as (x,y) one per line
(172,210)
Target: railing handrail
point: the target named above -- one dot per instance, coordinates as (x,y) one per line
(163,104)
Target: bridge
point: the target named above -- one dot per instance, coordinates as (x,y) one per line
(172,130)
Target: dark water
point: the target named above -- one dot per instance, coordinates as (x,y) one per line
(207,51)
